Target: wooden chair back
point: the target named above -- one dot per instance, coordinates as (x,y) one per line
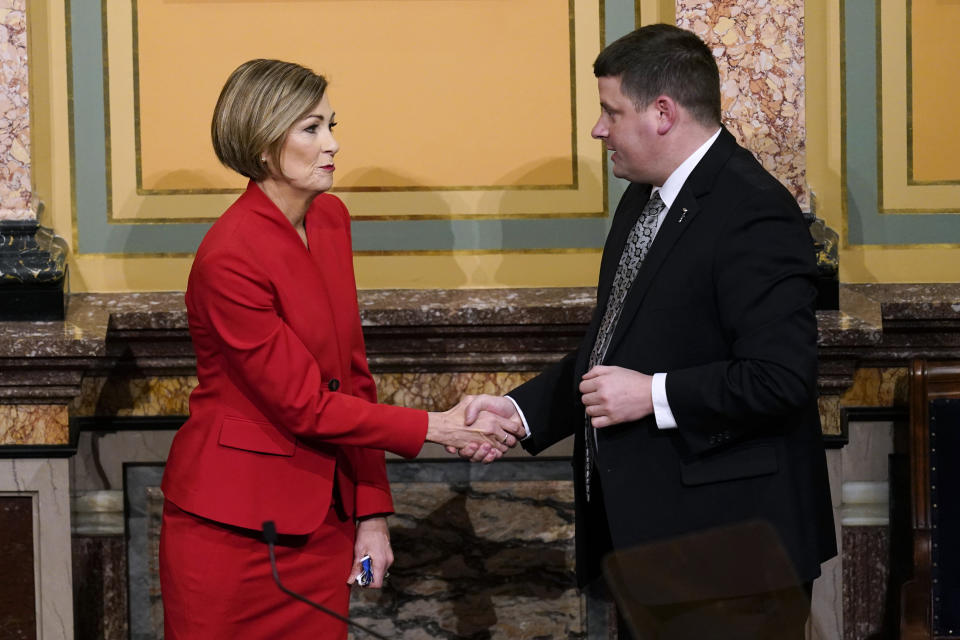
(930,599)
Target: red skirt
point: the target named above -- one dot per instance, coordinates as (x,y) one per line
(216,580)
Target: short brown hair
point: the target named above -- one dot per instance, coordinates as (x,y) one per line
(661,59)
(259,103)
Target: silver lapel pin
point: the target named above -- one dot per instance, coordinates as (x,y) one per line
(683,213)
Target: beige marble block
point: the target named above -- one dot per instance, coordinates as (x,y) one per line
(830,414)
(155,396)
(30,424)
(759,46)
(886,387)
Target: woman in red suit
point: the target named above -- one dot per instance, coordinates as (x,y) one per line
(284,424)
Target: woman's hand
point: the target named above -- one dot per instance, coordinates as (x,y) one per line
(489,436)
(373,539)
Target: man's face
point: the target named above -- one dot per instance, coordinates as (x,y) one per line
(630,134)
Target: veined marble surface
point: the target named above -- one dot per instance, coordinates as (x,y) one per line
(864,308)
(15,184)
(32,424)
(759,47)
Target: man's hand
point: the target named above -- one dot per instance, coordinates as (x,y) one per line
(613,395)
(373,539)
(485,407)
(485,437)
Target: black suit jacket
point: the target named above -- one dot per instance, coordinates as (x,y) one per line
(724,305)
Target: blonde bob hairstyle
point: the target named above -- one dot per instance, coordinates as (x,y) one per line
(260,102)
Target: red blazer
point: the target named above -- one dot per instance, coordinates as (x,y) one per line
(285,395)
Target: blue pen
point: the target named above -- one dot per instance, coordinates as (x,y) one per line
(366,573)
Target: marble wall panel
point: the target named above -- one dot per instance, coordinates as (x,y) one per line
(29,424)
(481,552)
(867,456)
(488,559)
(47,483)
(15,184)
(98,464)
(759,46)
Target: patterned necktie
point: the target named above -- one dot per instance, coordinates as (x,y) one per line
(638,243)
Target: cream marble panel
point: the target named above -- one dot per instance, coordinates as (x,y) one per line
(112,450)
(826,608)
(48,482)
(865,456)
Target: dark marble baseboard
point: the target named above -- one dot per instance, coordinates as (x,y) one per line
(100,587)
(866,572)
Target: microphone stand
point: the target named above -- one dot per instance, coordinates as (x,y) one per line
(270,535)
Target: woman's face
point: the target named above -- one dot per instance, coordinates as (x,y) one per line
(306,157)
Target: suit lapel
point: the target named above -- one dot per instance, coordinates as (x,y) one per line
(326,260)
(632,204)
(681,216)
(625,217)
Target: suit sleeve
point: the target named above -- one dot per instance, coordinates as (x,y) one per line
(372,489)
(764,282)
(553,411)
(267,360)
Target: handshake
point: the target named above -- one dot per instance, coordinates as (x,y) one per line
(480,428)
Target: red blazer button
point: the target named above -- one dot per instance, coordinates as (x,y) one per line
(333,385)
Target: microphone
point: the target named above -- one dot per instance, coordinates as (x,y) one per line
(270,535)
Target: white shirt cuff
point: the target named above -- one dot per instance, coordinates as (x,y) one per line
(661,408)
(523,418)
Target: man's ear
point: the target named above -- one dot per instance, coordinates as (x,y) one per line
(667,113)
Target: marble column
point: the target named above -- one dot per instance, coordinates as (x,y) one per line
(759,47)
(32,259)
(35,491)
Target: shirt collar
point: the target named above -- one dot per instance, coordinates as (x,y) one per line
(671,188)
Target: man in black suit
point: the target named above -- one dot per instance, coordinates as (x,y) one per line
(692,398)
